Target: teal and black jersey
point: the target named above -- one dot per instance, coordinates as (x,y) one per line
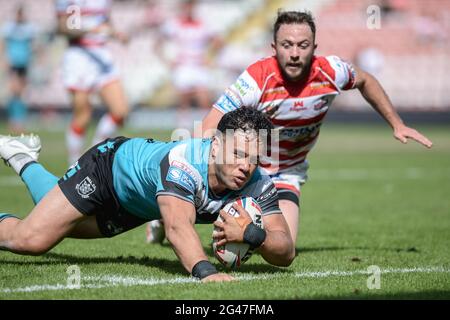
(143,169)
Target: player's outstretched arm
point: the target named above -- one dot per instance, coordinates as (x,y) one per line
(374,94)
(179,219)
(277,247)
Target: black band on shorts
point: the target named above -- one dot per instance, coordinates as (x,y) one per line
(254,235)
(286,194)
(203,269)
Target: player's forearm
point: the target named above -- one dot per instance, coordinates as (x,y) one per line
(185,243)
(374,94)
(278,248)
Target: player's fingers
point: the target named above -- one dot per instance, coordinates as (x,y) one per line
(218,224)
(218,277)
(400,137)
(218,234)
(221,242)
(224,215)
(421,139)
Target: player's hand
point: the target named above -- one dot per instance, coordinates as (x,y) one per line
(231,229)
(403,133)
(218,277)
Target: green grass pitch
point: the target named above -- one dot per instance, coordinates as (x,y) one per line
(370,201)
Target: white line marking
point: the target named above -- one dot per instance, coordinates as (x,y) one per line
(98,282)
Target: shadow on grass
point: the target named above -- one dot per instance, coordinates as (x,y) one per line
(166,265)
(300,250)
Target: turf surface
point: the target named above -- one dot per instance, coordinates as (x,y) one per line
(370,201)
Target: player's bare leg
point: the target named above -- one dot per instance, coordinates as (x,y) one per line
(17,86)
(113,96)
(53,218)
(291,212)
(75,137)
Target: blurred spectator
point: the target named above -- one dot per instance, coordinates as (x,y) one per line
(191,40)
(430,28)
(389,7)
(17,36)
(155,14)
(88,66)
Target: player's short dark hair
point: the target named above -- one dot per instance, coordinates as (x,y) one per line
(246,119)
(294,17)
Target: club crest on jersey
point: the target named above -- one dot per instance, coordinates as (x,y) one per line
(85,187)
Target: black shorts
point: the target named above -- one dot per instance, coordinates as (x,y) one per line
(287,194)
(88,185)
(19,71)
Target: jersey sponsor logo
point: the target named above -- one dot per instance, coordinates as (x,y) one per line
(320,104)
(233,98)
(174,173)
(267,195)
(229,101)
(297,132)
(181,178)
(242,87)
(319,85)
(186,168)
(225,103)
(85,187)
(298,106)
(278,90)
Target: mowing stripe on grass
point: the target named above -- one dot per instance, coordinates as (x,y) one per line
(98,282)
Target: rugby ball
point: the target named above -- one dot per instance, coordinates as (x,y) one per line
(232,255)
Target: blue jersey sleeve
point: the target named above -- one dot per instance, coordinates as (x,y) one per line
(177,179)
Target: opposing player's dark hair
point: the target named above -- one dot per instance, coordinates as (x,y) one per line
(293,17)
(246,119)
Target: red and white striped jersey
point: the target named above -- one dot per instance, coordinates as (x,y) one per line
(86,15)
(191,39)
(296,109)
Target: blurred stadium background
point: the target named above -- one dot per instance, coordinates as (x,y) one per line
(409,53)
